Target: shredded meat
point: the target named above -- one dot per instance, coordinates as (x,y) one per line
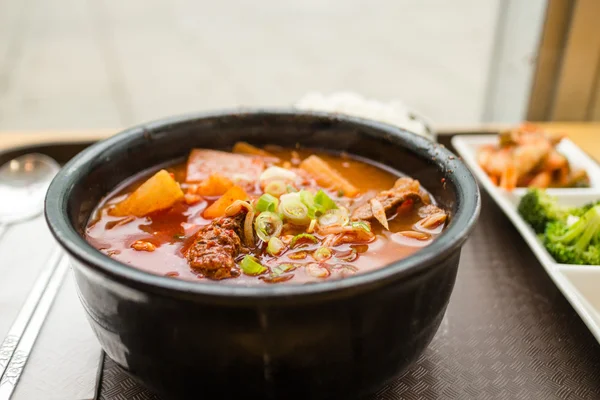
(429,210)
(404,189)
(216,246)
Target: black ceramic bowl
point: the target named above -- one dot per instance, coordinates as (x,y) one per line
(337,339)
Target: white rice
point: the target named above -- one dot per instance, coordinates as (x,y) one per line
(353,104)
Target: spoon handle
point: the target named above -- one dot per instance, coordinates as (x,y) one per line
(23,349)
(10,342)
(3,229)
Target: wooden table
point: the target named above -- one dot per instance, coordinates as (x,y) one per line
(585,135)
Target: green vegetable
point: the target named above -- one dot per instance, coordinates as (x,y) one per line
(275,246)
(338,216)
(578,243)
(360,225)
(293,210)
(578,212)
(322,254)
(538,208)
(282,268)
(303,238)
(311,226)
(323,202)
(291,189)
(251,266)
(567,241)
(267,202)
(267,225)
(317,204)
(308,199)
(276,188)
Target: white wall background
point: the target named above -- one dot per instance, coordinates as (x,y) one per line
(512,67)
(76,64)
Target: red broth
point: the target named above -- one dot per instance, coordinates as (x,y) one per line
(172,231)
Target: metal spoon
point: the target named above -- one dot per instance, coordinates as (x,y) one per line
(23,184)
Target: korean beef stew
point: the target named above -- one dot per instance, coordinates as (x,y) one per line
(265,216)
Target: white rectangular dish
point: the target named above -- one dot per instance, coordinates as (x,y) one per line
(579,284)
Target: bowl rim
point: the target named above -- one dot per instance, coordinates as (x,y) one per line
(467,195)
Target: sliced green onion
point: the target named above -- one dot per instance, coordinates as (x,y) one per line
(303,238)
(267,202)
(308,199)
(251,266)
(311,226)
(283,268)
(293,210)
(291,189)
(276,188)
(361,225)
(322,254)
(267,225)
(275,246)
(335,217)
(323,202)
(288,196)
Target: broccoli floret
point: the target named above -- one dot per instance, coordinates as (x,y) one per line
(578,243)
(579,211)
(592,255)
(538,208)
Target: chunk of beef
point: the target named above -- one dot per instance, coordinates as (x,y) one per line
(239,168)
(216,246)
(404,189)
